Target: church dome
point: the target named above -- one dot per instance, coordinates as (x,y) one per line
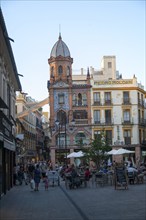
(60,49)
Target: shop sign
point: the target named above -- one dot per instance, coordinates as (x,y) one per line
(113,82)
(5,126)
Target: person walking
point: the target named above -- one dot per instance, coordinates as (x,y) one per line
(46,182)
(37,177)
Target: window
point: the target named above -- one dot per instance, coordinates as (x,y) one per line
(68,71)
(109,64)
(138,96)
(61,117)
(126,97)
(108,134)
(80,138)
(142,101)
(140,136)
(74,100)
(84,99)
(61,98)
(60,70)
(107,116)
(97,116)
(127,136)
(8,101)
(107,97)
(52,71)
(97,134)
(79,99)
(96,97)
(126,115)
(80,114)
(139,116)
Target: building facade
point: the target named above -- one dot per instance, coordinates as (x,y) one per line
(31,127)
(26,128)
(95,101)
(70,114)
(118,107)
(9,84)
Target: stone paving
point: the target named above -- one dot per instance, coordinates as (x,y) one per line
(59,203)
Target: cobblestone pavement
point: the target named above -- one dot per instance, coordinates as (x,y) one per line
(59,203)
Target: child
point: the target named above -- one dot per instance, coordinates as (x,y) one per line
(32,184)
(46,182)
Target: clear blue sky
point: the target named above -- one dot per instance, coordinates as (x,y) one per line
(91,29)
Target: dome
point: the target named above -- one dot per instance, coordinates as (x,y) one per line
(60,49)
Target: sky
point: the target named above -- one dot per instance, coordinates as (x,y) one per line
(90,29)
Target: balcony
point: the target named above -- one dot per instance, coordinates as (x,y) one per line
(126,101)
(97,103)
(142,121)
(80,104)
(127,140)
(81,121)
(127,121)
(97,122)
(106,122)
(108,102)
(140,102)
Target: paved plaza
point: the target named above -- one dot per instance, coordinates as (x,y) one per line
(59,203)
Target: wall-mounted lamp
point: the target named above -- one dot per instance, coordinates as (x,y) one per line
(20,75)
(6,36)
(24,93)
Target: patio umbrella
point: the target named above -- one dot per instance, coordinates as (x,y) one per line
(79,154)
(71,155)
(75,154)
(112,152)
(122,151)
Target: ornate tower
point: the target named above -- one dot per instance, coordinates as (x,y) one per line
(60,92)
(70,101)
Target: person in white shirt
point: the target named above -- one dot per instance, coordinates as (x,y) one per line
(131,176)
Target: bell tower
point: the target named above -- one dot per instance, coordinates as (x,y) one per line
(60,94)
(60,62)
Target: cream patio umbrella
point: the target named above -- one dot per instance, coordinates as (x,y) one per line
(71,155)
(122,151)
(112,152)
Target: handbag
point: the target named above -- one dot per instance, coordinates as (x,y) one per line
(32,184)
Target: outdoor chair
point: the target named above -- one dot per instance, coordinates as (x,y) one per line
(131,177)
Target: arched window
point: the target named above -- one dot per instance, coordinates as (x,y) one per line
(79,99)
(60,70)
(74,100)
(52,71)
(61,98)
(84,99)
(61,116)
(80,138)
(68,71)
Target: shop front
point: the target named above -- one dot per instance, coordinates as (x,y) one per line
(7,154)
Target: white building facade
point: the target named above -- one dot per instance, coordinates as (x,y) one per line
(118,106)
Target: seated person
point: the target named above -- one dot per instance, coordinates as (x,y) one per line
(131,170)
(87,174)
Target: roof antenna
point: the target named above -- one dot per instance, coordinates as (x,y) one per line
(59,32)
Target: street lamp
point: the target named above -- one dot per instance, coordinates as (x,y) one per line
(63,119)
(58,125)
(72,122)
